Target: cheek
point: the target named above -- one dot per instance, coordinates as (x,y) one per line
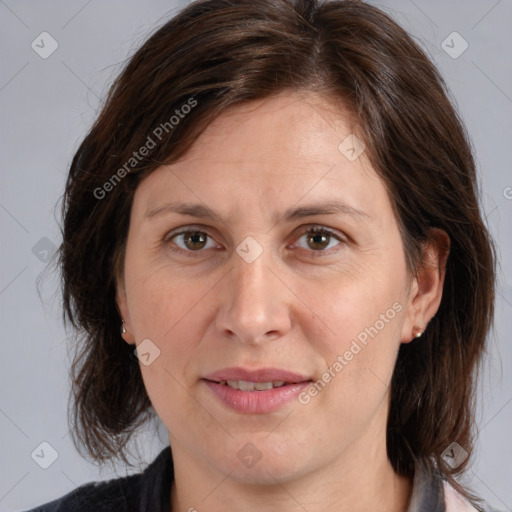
(159,298)
(164,311)
(363,313)
(359,362)
(168,309)
(361,303)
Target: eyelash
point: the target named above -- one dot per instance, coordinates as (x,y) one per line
(310,231)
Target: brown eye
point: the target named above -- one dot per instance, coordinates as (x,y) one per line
(195,239)
(319,240)
(191,240)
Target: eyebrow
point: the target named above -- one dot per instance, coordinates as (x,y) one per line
(201,211)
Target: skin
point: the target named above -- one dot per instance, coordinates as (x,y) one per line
(206,308)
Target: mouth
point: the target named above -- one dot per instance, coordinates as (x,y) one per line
(245,385)
(238,374)
(256,391)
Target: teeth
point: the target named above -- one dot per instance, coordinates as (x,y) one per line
(244,385)
(260,386)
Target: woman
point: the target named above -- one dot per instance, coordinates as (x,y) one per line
(273,241)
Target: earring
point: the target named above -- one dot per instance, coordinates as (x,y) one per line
(123,328)
(416,331)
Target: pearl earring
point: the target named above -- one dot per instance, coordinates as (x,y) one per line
(416,331)
(123,328)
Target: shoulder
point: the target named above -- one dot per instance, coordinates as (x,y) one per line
(131,493)
(116,494)
(432,492)
(457,503)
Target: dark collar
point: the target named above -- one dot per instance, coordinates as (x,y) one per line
(155,484)
(427,491)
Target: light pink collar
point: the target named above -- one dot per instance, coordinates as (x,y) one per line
(454,501)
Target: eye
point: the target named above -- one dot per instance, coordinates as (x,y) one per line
(192,240)
(319,239)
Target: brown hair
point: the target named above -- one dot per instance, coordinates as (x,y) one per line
(217,54)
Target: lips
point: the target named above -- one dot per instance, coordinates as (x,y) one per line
(256,391)
(261,375)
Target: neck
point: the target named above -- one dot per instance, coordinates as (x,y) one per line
(360,481)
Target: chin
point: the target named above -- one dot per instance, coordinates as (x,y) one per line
(261,463)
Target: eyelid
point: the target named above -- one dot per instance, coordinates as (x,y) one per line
(187,229)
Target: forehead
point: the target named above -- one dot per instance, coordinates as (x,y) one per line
(289,126)
(277,151)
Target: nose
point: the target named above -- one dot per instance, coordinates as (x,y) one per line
(255,304)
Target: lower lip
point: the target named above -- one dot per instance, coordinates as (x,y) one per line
(256,402)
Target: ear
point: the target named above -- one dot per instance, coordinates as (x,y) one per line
(426,289)
(122,306)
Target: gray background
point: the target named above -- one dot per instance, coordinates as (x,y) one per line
(47,106)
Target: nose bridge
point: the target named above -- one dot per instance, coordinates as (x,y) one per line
(251,260)
(251,274)
(251,277)
(254,306)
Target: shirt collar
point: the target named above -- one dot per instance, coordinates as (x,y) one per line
(427,491)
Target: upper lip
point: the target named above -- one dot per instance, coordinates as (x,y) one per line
(260,375)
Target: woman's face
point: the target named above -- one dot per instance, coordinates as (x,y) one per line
(251,288)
